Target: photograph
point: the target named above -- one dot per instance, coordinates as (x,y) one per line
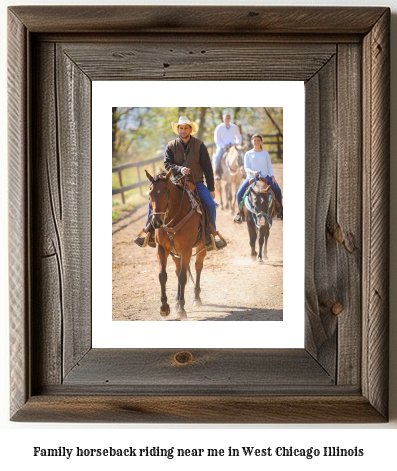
(197,213)
(175,78)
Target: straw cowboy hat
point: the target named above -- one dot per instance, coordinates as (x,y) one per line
(185,120)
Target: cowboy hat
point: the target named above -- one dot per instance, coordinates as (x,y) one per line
(185,120)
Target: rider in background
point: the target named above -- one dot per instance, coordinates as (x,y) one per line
(225,134)
(257,162)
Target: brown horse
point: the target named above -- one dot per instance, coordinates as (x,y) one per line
(259,212)
(232,164)
(177,233)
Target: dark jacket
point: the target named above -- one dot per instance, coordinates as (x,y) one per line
(195,157)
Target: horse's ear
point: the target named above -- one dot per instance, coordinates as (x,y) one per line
(168,174)
(148,176)
(244,146)
(235,146)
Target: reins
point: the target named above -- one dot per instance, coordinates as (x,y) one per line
(255,214)
(171,231)
(180,204)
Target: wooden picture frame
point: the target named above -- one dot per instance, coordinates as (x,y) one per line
(342,54)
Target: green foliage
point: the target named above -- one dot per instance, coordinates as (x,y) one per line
(143,133)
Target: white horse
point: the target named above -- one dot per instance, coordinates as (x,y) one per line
(232,173)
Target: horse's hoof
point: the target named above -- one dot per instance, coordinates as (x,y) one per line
(182,314)
(260,259)
(197,303)
(165,312)
(254,254)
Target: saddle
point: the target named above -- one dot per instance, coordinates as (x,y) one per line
(279,208)
(262,179)
(198,206)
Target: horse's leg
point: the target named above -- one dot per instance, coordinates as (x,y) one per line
(261,240)
(199,267)
(252,234)
(219,188)
(227,193)
(162,256)
(182,279)
(231,199)
(267,233)
(177,262)
(263,237)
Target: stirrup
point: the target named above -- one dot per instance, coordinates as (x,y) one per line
(238,219)
(146,240)
(216,245)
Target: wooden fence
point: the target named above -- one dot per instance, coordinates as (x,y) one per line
(141,182)
(273,143)
(270,140)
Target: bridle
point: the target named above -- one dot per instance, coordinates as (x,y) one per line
(159,213)
(168,194)
(266,191)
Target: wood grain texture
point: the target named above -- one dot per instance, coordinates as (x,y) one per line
(74,128)
(220,59)
(346,287)
(18,213)
(321,277)
(376,91)
(158,370)
(192,19)
(62,202)
(46,201)
(346,225)
(199,409)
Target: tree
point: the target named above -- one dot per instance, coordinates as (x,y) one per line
(273,120)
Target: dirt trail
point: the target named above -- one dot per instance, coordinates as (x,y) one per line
(234,287)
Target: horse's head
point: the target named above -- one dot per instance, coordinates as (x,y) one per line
(240,156)
(260,193)
(159,197)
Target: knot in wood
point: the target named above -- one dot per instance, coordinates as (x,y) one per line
(338,235)
(183,358)
(337,308)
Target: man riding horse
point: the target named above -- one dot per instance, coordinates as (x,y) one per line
(225,134)
(188,156)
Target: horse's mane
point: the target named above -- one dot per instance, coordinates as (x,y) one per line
(160,176)
(261,186)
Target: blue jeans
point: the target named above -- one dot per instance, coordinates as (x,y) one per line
(276,189)
(217,157)
(206,199)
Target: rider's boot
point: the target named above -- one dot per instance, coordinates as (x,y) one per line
(238,218)
(279,210)
(146,237)
(210,242)
(218,172)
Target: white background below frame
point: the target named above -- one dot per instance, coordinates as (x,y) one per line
(242,334)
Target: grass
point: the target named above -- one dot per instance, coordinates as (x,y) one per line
(133,198)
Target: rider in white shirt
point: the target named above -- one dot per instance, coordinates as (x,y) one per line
(257,163)
(225,134)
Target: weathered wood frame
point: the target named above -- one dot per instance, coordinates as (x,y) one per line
(342,54)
